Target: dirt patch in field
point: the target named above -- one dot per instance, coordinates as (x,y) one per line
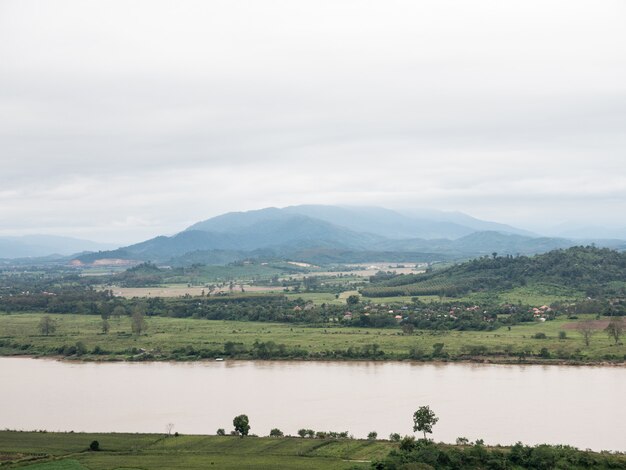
(595,324)
(8,457)
(180,291)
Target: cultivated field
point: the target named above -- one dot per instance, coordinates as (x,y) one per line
(68,451)
(181,290)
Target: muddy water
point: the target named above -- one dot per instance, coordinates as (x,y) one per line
(580,406)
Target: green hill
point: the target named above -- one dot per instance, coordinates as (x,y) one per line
(594,271)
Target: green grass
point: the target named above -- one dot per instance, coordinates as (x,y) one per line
(317,298)
(205,274)
(19,335)
(152,451)
(52,443)
(66,464)
(539,294)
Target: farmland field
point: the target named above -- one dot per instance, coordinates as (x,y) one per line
(68,451)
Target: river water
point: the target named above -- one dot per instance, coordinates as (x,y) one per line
(580,406)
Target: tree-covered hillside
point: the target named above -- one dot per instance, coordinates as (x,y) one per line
(594,271)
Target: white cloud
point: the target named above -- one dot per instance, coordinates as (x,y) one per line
(122,120)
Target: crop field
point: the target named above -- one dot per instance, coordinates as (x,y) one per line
(180,290)
(68,451)
(166,337)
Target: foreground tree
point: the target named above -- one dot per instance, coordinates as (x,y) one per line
(47,325)
(424,419)
(615,329)
(242,424)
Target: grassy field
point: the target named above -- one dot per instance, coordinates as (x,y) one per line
(19,335)
(68,451)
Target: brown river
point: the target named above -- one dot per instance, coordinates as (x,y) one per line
(502,404)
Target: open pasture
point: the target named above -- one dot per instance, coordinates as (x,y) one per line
(19,335)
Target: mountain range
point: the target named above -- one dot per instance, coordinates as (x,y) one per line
(326,234)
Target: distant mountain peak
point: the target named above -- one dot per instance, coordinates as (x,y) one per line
(337,232)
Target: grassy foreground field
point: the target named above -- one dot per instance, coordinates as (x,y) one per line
(68,451)
(80,336)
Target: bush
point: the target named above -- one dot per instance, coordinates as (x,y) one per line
(221,432)
(544,353)
(94,446)
(539,335)
(81,348)
(276,433)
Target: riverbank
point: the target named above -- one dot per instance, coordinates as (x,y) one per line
(80,337)
(504,361)
(70,451)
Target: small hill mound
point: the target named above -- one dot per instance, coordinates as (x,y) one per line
(592,270)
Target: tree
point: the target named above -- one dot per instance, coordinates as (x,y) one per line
(105,314)
(372,436)
(105,326)
(352,299)
(47,325)
(138,322)
(221,432)
(118,311)
(615,329)
(587,330)
(395,437)
(241,424)
(276,433)
(169,427)
(424,419)
(94,446)
(302,432)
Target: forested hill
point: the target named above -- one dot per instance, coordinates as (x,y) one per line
(594,271)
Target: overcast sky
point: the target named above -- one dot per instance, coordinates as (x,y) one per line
(121,120)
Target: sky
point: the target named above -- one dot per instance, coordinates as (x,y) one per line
(123,119)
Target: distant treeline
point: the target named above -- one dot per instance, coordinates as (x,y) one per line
(270,308)
(263,307)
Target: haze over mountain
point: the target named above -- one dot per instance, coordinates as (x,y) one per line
(375,220)
(583,231)
(44,245)
(319,233)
